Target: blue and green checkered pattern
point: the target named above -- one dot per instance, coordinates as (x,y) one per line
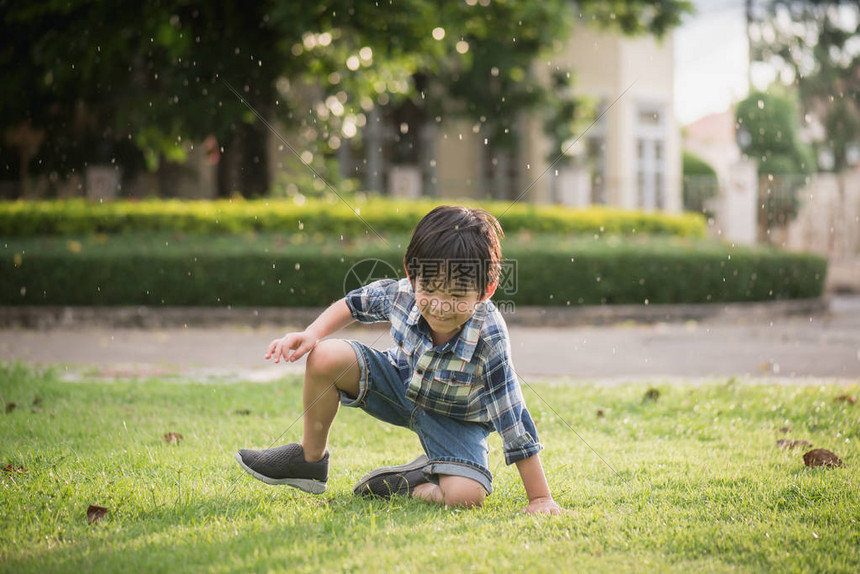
(470,377)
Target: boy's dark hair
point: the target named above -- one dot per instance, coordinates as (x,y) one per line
(455,247)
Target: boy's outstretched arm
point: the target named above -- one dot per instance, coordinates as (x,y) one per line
(333,319)
(537,489)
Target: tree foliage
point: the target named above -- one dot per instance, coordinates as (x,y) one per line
(814,44)
(134,82)
(772,125)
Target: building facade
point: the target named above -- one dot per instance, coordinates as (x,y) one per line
(629,156)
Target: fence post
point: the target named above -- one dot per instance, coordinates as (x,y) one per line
(738,204)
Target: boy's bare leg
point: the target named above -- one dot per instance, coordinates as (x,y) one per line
(452,491)
(331,361)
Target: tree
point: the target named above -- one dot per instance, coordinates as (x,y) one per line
(133,83)
(813,44)
(769,126)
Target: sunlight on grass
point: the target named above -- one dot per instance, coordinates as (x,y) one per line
(700,483)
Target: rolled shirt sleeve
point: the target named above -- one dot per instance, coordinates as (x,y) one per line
(372,303)
(507,408)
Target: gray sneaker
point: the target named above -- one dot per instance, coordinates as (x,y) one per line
(389,480)
(285,465)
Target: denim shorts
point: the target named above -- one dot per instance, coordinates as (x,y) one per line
(453,447)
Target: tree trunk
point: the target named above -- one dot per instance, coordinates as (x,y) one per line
(243,167)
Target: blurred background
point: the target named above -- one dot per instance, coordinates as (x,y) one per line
(744,110)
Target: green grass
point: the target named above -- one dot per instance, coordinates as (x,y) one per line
(700,485)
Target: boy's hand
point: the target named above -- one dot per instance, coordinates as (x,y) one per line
(298,343)
(543,506)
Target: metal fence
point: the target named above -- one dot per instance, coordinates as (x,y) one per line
(698,191)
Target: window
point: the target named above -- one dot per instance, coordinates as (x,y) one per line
(650,158)
(596,156)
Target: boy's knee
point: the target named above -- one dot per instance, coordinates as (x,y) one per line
(325,356)
(334,360)
(461,491)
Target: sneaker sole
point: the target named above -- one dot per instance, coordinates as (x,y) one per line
(306,484)
(420,462)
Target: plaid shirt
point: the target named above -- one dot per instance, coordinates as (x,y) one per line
(469,378)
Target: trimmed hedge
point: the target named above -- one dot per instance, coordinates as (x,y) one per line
(332,218)
(268,271)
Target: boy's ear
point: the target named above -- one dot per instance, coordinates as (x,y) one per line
(491,289)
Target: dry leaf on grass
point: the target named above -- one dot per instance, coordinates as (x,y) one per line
(95,513)
(850,399)
(10,407)
(651,395)
(173,437)
(14,469)
(821,457)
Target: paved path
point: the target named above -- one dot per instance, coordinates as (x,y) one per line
(822,346)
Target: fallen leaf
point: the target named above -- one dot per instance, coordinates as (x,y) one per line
(651,395)
(821,457)
(173,437)
(10,407)
(95,513)
(791,444)
(35,409)
(16,469)
(850,399)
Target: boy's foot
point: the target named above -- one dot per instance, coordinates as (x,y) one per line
(388,480)
(285,465)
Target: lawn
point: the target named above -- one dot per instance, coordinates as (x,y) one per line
(700,482)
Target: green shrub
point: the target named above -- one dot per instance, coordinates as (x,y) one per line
(700,183)
(269,270)
(694,165)
(329,217)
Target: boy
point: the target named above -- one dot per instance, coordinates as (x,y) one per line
(448,377)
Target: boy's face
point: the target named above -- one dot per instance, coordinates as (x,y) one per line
(446,308)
